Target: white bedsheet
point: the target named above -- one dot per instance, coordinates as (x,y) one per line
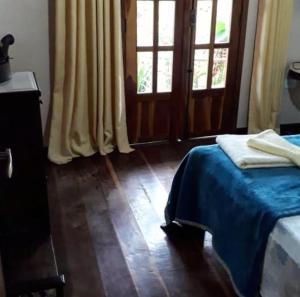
(281,274)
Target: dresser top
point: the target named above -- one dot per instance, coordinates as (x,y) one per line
(20,82)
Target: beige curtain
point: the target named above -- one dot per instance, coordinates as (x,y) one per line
(270,57)
(88,113)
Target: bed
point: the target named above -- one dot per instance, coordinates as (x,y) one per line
(253,215)
(281,272)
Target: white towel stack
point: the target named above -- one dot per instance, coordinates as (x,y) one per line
(266,149)
(270,142)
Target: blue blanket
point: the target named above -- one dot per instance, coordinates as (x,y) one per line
(239,207)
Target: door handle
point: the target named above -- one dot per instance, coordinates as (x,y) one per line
(7,157)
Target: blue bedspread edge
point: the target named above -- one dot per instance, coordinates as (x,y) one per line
(240,207)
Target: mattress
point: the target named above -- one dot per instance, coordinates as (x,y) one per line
(281,272)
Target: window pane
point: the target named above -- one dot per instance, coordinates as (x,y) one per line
(164,72)
(223,25)
(145,21)
(200,69)
(166,23)
(220,68)
(203,23)
(145,71)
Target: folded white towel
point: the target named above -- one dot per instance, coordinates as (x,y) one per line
(270,142)
(235,146)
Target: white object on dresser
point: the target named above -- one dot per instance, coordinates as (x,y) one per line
(20,82)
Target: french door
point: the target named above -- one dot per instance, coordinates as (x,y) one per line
(182,67)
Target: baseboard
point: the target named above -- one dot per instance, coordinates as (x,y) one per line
(285,129)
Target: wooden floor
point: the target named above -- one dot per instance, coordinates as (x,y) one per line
(106,214)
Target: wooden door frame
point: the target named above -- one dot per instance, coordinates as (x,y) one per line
(181,71)
(182,77)
(230,112)
(238,32)
(180,49)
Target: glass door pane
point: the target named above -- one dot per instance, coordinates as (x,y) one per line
(144,72)
(166,21)
(223,23)
(164,71)
(203,21)
(145,21)
(219,72)
(200,69)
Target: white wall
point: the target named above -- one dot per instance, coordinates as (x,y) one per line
(289,114)
(27,20)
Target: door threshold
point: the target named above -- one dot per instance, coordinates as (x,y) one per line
(150,143)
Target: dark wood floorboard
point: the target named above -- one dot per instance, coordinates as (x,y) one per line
(162,162)
(105,217)
(110,259)
(72,238)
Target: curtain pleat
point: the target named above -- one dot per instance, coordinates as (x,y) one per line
(88,110)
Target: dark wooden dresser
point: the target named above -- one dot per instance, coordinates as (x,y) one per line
(27,253)
(24,206)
